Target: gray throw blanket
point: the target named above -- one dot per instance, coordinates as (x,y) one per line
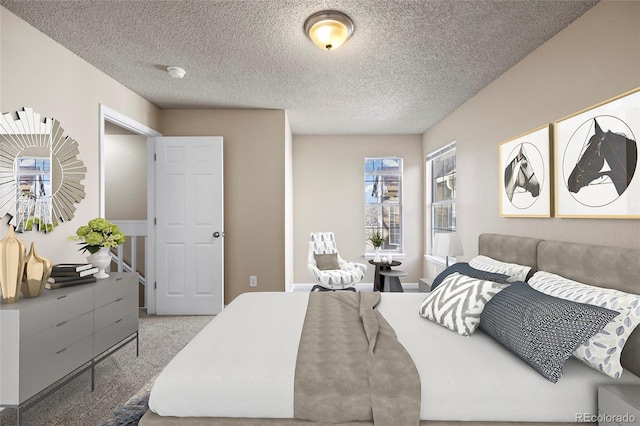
(350,365)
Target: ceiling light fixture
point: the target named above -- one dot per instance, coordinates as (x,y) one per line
(176,72)
(328,29)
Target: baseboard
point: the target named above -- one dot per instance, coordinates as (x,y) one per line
(408,287)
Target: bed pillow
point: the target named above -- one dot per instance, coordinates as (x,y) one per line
(458,302)
(327,261)
(513,270)
(602,351)
(541,330)
(465,269)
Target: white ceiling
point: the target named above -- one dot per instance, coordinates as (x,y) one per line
(408,64)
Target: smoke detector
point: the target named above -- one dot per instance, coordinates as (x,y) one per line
(176,72)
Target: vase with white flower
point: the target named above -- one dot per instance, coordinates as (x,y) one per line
(98,237)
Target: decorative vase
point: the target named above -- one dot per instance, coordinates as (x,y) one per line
(101,260)
(376,256)
(36,273)
(389,257)
(11,266)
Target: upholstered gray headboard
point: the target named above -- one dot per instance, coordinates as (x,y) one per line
(511,249)
(608,267)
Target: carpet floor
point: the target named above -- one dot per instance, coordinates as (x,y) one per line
(117,378)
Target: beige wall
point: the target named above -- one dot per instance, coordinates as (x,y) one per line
(328,187)
(254,190)
(275,190)
(125,177)
(595,58)
(288,209)
(37,72)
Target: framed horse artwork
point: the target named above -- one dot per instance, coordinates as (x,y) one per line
(525,175)
(597,160)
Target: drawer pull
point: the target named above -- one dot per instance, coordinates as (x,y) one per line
(62,297)
(62,323)
(118,321)
(60,351)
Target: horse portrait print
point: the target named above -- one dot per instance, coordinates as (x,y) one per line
(597,173)
(524,175)
(607,162)
(520,177)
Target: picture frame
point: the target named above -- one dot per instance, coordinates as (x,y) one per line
(525,174)
(596,150)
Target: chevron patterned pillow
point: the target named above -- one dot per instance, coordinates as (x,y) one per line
(458,302)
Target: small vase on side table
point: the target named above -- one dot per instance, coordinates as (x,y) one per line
(101,260)
(376,256)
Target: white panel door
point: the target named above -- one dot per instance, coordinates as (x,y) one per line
(189,226)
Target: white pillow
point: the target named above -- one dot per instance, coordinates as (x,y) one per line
(458,302)
(603,350)
(516,272)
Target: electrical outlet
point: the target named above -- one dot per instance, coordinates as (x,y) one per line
(253,281)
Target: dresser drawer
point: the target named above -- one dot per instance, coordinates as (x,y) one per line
(114,333)
(48,342)
(46,372)
(118,286)
(114,311)
(59,306)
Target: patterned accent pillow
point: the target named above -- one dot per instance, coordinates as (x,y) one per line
(458,302)
(540,329)
(466,269)
(601,352)
(513,270)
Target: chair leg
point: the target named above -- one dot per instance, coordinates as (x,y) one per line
(318,287)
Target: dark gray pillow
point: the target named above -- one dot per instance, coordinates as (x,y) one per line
(327,261)
(542,330)
(464,269)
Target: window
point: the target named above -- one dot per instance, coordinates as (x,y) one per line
(383,201)
(441,187)
(33,206)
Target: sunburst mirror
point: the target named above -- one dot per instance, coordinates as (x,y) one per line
(40,172)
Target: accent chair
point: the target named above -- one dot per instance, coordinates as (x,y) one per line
(328,269)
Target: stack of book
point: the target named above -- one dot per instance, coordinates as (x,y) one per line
(68,274)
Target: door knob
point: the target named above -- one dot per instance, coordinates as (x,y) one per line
(217,234)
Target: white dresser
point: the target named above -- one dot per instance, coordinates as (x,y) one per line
(48,337)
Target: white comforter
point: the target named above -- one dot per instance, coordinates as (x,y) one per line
(242,365)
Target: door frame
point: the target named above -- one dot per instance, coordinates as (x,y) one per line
(108,114)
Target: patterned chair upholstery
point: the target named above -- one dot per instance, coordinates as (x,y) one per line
(345,278)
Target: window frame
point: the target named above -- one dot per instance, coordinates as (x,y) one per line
(398,251)
(430,204)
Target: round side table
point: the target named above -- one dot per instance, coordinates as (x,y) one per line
(378,280)
(392,278)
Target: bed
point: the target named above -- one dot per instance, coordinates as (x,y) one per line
(241,369)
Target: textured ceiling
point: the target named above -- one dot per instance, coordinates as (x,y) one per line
(407,65)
